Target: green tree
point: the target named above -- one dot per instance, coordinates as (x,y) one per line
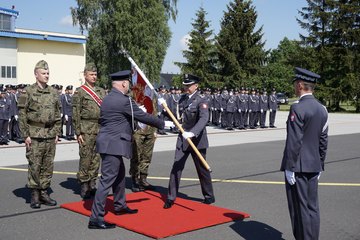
(240,47)
(139,26)
(333,32)
(201,53)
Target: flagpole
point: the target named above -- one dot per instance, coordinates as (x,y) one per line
(176,122)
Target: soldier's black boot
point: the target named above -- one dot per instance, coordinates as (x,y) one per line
(46,199)
(84,192)
(92,186)
(35,195)
(143,184)
(135,184)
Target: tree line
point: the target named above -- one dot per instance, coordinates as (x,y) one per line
(236,56)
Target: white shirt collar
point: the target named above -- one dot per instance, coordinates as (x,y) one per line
(305,94)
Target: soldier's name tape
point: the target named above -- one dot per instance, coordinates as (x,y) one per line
(196,179)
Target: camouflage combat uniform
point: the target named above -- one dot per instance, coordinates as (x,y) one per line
(143,145)
(86,113)
(39,119)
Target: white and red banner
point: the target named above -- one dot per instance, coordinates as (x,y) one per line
(141,92)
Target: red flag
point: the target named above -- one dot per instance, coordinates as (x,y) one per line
(142,93)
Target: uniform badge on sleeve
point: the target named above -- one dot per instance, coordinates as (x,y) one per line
(292,117)
(204,105)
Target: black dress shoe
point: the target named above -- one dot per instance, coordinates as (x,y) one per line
(126,210)
(100,225)
(35,205)
(168,204)
(208,200)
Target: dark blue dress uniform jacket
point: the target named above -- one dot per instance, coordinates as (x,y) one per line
(307,136)
(115,134)
(195,116)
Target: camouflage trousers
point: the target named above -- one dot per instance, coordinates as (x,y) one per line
(89,160)
(143,145)
(41,162)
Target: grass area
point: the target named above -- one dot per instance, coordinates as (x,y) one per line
(348,108)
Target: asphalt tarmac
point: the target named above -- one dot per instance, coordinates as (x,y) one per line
(246,178)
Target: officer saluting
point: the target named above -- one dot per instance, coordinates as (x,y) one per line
(304,156)
(114,141)
(195,116)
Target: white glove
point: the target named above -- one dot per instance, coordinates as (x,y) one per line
(290,177)
(9,119)
(239,110)
(187,135)
(215,109)
(66,117)
(16,117)
(161,101)
(250,110)
(61,115)
(318,177)
(212,109)
(261,110)
(221,109)
(142,107)
(270,110)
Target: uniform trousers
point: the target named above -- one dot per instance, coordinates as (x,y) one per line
(303,206)
(112,176)
(4,123)
(69,127)
(14,129)
(263,118)
(272,118)
(40,156)
(89,160)
(177,168)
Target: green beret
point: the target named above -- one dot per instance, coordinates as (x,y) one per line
(42,65)
(90,67)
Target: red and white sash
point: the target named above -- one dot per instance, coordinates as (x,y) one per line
(92,94)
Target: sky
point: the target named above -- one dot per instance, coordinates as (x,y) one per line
(277,17)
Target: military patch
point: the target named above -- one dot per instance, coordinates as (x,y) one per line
(204,105)
(292,117)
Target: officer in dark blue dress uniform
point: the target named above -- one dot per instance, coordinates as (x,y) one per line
(304,156)
(118,113)
(195,116)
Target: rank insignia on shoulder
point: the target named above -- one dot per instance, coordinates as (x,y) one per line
(204,105)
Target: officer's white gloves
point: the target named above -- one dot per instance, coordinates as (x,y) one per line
(261,110)
(318,177)
(61,115)
(161,101)
(16,117)
(250,110)
(221,109)
(142,107)
(66,117)
(239,110)
(290,177)
(187,135)
(212,109)
(270,110)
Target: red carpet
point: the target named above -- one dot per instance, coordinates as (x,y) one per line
(154,221)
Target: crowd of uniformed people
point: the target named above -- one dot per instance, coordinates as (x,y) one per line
(244,108)
(9,112)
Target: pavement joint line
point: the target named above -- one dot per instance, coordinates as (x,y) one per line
(196,179)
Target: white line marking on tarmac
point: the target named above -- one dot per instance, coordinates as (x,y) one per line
(196,179)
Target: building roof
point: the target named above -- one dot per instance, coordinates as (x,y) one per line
(9,12)
(42,35)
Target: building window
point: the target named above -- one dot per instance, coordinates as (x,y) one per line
(8,72)
(3,72)
(13,72)
(5,22)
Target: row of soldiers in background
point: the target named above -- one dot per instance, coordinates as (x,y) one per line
(9,113)
(9,125)
(229,109)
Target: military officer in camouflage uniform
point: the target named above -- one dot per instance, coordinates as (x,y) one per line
(144,139)
(40,123)
(4,117)
(86,113)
